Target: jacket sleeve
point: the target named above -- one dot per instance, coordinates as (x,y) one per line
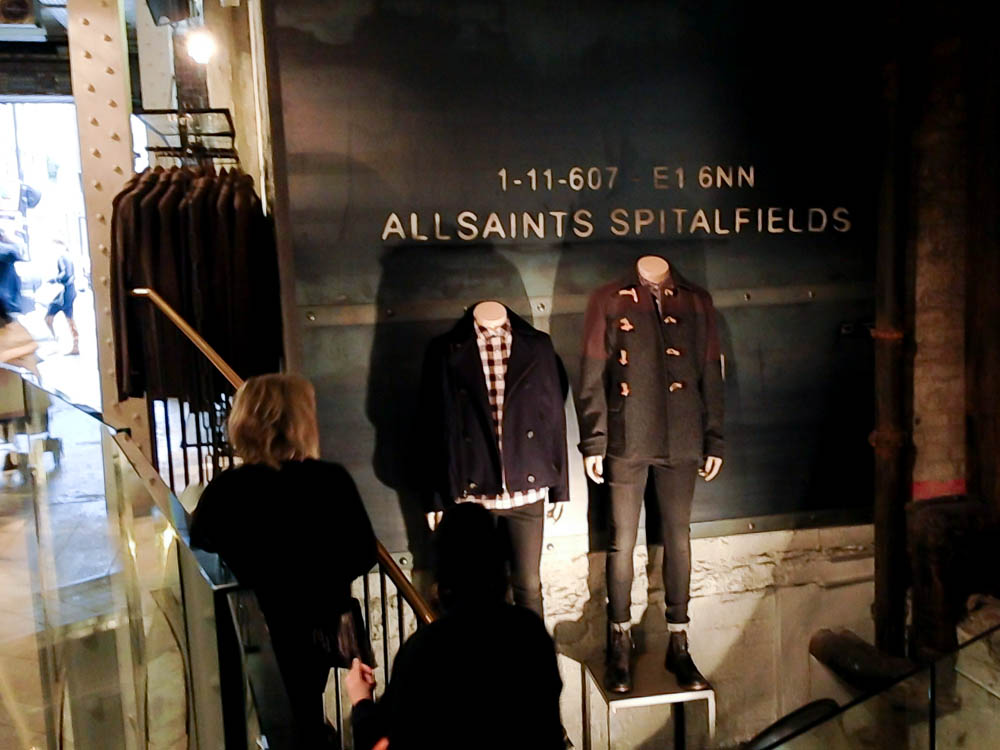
(367,724)
(560,493)
(711,385)
(356,543)
(593,404)
(208,516)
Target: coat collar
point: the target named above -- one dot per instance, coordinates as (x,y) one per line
(465,351)
(463,332)
(632,281)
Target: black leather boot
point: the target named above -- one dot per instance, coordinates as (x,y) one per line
(679,662)
(618,678)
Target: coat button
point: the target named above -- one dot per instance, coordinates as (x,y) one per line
(676,386)
(462,392)
(670,320)
(472,485)
(531,434)
(673,352)
(531,478)
(467,439)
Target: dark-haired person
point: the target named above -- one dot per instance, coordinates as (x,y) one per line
(291,527)
(483,676)
(66,277)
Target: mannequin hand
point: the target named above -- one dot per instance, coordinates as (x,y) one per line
(434,518)
(360,682)
(713,464)
(594,467)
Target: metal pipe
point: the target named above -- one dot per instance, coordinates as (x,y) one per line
(385,623)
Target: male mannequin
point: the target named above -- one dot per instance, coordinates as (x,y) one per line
(491,315)
(651,401)
(493,400)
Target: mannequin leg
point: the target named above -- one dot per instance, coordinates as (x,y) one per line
(627,482)
(674,494)
(522,529)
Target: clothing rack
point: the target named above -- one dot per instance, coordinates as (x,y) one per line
(197,137)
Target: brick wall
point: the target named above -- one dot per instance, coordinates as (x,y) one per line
(940,196)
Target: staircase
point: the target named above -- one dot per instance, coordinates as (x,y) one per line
(114,631)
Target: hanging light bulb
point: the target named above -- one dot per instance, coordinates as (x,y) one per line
(201,45)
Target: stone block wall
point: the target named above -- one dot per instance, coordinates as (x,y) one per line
(757,599)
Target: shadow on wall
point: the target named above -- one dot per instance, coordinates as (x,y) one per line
(423,290)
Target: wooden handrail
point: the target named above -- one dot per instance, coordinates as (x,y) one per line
(389,566)
(213,356)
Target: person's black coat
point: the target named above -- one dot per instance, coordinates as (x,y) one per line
(283,531)
(460,450)
(298,537)
(483,677)
(626,406)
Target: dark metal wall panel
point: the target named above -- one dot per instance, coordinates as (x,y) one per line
(413,107)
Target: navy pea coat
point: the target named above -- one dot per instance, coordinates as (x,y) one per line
(460,449)
(651,381)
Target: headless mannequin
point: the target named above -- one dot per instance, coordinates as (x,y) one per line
(489,314)
(656,270)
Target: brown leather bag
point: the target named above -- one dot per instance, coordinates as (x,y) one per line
(346,640)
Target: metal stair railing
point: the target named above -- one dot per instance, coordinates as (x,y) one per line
(387,629)
(386,562)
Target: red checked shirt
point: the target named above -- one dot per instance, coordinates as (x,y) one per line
(494,351)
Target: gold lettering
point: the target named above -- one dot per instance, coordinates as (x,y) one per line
(661,178)
(700,221)
(840,214)
(643,218)
(679,213)
(560,217)
(791,222)
(437,228)
(393,226)
(582,224)
(719,229)
(705,177)
(724,175)
(760,219)
(467,228)
(493,225)
(774,220)
(528,221)
(740,220)
(822,215)
(663,221)
(744,178)
(414,229)
(513,225)
(619,222)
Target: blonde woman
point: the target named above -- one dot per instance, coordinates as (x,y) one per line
(289,526)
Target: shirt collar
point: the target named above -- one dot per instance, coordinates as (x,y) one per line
(482,332)
(657,288)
